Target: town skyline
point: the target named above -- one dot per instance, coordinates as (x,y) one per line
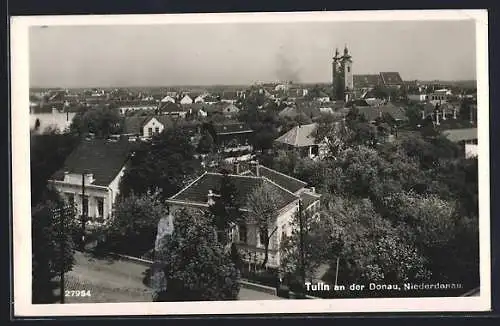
(418,50)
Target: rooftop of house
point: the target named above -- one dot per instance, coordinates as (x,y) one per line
(371,113)
(134,124)
(299,136)
(197,192)
(457,135)
(103,158)
(170,107)
(391,78)
(230,95)
(230,128)
(289,183)
(308,199)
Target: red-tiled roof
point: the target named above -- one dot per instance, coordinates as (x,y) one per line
(197,192)
(103,158)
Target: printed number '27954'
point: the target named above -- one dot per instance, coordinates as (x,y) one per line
(80,293)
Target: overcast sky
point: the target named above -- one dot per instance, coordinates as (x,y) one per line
(162,55)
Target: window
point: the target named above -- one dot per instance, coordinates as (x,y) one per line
(348,69)
(70,198)
(150,132)
(262,236)
(242,231)
(100,206)
(85,205)
(157,130)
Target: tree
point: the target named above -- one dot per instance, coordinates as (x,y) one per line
(370,249)
(225,211)
(135,220)
(431,224)
(195,265)
(166,164)
(206,144)
(52,243)
(47,155)
(101,121)
(319,238)
(363,173)
(263,208)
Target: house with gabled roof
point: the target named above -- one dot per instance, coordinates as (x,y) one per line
(168,99)
(172,109)
(302,139)
(99,166)
(467,138)
(186,99)
(145,126)
(201,194)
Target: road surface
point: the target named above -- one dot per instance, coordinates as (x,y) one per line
(119,281)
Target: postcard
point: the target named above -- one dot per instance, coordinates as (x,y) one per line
(256,163)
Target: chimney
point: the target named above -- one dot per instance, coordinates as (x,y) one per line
(312,189)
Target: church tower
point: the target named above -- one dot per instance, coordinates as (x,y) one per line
(342,76)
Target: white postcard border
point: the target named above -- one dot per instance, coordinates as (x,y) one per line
(21,174)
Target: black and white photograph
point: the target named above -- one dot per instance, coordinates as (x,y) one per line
(258,163)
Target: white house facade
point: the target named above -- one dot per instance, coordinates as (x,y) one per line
(90,183)
(247,235)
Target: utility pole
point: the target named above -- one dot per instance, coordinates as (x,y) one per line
(302,259)
(59,214)
(84,213)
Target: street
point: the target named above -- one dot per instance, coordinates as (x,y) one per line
(118,281)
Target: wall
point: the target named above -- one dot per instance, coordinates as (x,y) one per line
(417,97)
(470,150)
(153,124)
(59,120)
(91,191)
(72,184)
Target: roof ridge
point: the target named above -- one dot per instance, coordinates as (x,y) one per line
(186,187)
(283,174)
(277,185)
(234,175)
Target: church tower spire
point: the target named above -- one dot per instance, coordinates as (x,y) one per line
(342,76)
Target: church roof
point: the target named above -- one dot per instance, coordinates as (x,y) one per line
(362,81)
(391,78)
